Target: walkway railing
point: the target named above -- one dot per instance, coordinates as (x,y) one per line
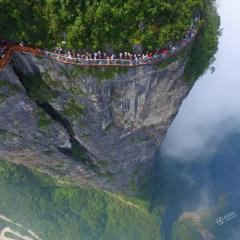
(118,62)
(10,49)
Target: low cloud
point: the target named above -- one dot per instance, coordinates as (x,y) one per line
(212,108)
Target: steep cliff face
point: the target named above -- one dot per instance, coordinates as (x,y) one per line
(95,125)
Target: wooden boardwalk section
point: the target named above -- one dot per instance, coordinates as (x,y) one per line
(9,50)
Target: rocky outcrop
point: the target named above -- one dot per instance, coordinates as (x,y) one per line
(98,125)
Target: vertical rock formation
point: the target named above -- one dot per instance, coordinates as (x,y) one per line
(99,124)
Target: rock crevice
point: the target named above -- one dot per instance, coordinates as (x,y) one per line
(116,117)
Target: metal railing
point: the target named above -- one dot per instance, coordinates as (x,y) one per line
(97,62)
(118,62)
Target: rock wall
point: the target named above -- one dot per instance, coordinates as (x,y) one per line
(115,118)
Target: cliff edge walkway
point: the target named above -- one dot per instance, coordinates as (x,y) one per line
(7,50)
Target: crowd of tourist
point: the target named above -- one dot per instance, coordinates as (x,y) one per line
(88,56)
(101,55)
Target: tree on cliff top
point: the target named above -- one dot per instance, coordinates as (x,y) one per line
(97,24)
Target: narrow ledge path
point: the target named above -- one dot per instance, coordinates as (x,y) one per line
(9,49)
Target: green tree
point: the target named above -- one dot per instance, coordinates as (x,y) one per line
(116,24)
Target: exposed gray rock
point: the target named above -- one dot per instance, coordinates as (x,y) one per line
(126,115)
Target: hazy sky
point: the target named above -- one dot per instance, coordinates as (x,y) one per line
(212,108)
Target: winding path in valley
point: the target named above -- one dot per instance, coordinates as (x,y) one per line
(8,230)
(5,230)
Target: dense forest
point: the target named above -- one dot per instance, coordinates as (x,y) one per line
(98,24)
(206,44)
(64,211)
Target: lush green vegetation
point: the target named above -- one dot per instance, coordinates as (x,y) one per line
(98,25)
(43,119)
(73,108)
(118,24)
(13,236)
(100,73)
(56,211)
(206,44)
(185,230)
